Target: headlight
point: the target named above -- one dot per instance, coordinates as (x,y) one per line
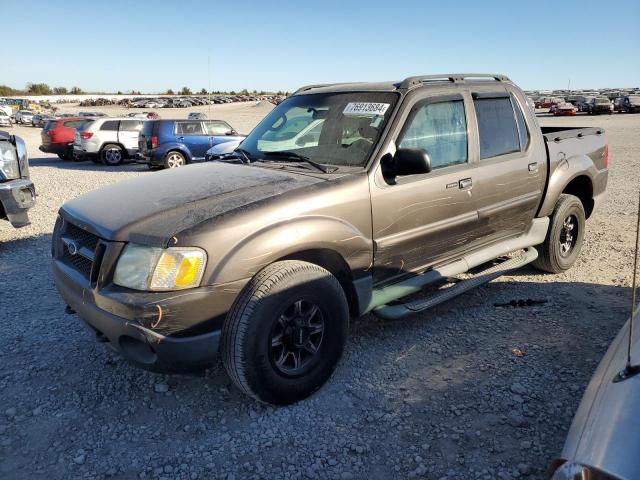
(150,268)
(8,161)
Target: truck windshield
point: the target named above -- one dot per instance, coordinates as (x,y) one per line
(338,129)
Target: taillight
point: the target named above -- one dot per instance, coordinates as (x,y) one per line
(154,141)
(86,134)
(606,155)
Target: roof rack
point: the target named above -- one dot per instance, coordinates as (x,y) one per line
(320,85)
(451,77)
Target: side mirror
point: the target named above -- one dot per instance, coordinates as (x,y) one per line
(411,161)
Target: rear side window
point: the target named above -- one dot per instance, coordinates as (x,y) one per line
(110,125)
(217,128)
(73,124)
(130,125)
(497,127)
(86,124)
(189,128)
(440,129)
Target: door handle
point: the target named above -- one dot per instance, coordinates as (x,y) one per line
(533,167)
(465,183)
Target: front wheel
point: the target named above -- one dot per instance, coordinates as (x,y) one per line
(285,333)
(564,238)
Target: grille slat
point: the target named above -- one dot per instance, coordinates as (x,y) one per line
(83,241)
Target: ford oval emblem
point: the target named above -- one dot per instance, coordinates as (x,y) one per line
(72,247)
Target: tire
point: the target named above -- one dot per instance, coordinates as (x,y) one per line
(112,154)
(174,159)
(262,332)
(562,244)
(64,156)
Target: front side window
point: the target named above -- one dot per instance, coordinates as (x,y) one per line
(189,128)
(130,125)
(217,128)
(336,129)
(440,129)
(496,126)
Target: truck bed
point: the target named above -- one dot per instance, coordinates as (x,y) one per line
(573,141)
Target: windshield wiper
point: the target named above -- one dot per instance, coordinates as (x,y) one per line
(296,157)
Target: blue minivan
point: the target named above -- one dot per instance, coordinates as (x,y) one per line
(174,143)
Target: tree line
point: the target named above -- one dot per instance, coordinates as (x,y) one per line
(44,89)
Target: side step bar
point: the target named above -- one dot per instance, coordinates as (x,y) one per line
(393,312)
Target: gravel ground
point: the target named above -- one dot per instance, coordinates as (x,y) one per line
(467,390)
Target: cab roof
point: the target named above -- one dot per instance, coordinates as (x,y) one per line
(406,84)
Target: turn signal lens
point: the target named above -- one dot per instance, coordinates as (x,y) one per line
(178,268)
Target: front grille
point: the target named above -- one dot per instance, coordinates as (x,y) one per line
(77,248)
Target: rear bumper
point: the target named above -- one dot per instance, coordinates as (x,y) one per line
(55,148)
(16,197)
(138,344)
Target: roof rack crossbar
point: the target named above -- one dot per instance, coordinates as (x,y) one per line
(320,85)
(450,77)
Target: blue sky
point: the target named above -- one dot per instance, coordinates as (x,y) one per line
(151,46)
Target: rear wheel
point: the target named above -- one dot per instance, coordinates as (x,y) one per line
(564,238)
(286,332)
(64,156)
(112,154)
(174,160)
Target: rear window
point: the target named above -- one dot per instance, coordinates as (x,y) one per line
(85,125)
(73,123)
(49,125)
(110,125)
(523,131)
(189,128)
(496,126)
(147,128)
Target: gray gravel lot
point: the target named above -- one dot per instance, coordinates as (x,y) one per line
(438,395)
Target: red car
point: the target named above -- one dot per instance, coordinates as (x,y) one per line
(565,109)
(57,136)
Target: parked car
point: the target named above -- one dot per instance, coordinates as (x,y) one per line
(109,140)
(266,256)
(17,192)
(175,143)
(40,119)
(565,109)
(91,114)
(196,116)
(57,136)
(24,117)
(598,105)
(630,104)
(144,115)
(5,120)
(604,437)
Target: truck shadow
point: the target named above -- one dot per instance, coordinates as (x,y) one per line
(88,166)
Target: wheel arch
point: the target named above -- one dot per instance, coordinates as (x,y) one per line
(582,187)
(124,150)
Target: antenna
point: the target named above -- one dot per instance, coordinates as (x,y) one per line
(629,369)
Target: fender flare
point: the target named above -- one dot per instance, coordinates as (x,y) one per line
(567,170)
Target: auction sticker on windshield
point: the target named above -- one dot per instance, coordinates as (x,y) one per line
(365,108)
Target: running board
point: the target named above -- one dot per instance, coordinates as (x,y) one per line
(393,312)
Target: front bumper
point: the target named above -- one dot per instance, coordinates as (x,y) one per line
(16,197)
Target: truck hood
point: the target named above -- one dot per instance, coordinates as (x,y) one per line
(153,208)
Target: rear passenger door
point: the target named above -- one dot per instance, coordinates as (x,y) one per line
(511,171)
(191,133)
(128,134)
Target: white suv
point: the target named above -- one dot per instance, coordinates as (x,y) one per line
(109,140)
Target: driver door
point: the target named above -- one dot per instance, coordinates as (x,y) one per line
(420,220)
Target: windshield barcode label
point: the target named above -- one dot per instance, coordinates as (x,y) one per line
(365,108)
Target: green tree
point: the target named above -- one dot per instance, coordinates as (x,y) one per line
(169,92)
(60,90)
(76,91)
(185,91)
(6,91)
(203,91)
(244,91)
(38,89)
